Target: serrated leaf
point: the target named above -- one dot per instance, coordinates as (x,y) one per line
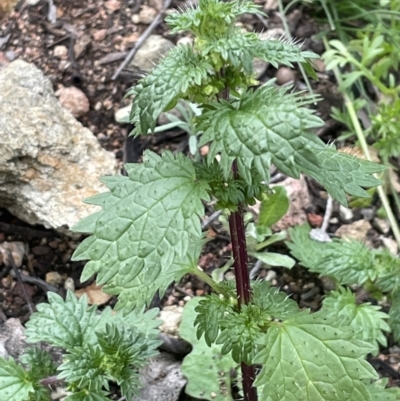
(15,384)
(273,302)
(145,323)
(150,234)
(210,310)
(65,324)
(87,224)
(341,173)
(274,207)
(207,370)
(367,319)
(39,362)
(118,355)
(379,392)
(71,323)
(240,329)
(170,80)
(280,52)
(210,14)
(271,125)
(82,367)
(235,48)
(268,124)
(388,268)
(307,358)
(348,262)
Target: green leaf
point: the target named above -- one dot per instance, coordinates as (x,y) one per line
(235,48)
(65,324)
(271,125)
(307,358)
(207,370)
(15,383)
(180,70)
(274,207)
(82,368)
(149,233)
(71,323)
(367,319)
(277,237)
(388,268)
(268,124)
(273,302)
(210,16)
(138,321)
(239,331)
(379,392)
(39,362)
(210,310)
(394,314)
(279,52)
(118,355)
(342,173)
(274,259)
(348,262)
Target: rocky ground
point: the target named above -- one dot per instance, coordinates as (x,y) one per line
(81,45)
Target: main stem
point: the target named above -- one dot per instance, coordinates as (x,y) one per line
(239,250)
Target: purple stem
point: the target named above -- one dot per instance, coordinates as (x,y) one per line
(239,250)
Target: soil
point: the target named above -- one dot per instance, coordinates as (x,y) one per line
(33,38)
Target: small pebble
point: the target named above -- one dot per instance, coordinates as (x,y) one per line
(54,244)
(345,213)
(382,225)
(271,274)
(54,278)
(69,284)
(60,52)
(40,250)
(285,76)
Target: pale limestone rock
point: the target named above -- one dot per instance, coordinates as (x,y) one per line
(151,52)
(49,162)
(147,15)
(357,230)
(171,317)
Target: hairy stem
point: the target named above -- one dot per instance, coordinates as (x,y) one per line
(208,280)
(239,250)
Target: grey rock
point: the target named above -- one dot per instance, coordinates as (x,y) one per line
(151,52)
(12,339)
(49,162)
(161,379)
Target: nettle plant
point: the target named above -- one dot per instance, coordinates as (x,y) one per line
(148,233)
